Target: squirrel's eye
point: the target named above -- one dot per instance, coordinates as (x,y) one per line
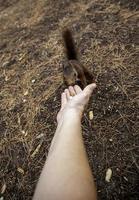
(75,74)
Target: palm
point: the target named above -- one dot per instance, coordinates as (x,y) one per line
(75,98)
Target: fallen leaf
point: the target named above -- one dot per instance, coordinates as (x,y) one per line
(91,115)
(108,175)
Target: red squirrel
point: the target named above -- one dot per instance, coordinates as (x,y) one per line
(74,73)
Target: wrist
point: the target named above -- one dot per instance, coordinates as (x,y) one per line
(73,113)
(70,115)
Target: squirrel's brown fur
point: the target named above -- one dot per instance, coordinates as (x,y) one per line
(73,72)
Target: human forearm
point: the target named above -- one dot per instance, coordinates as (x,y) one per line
(67,165)
(70,124)
(66,173)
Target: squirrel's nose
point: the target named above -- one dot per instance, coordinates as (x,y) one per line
(78,82)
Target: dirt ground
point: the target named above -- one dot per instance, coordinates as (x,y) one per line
(31,53)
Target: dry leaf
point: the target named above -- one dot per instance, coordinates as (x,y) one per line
(3,188)
(108,175)
(20,170)
(91,115)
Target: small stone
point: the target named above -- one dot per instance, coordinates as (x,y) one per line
(110,139)
(117,169)
(33,80)
(23,132)
(24,100)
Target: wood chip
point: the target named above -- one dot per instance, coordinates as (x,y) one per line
(20,170)
(40,136)
(91,115)
(108,175)
(26,93)
(21,57)
(6,78)
(36,150)
(3,188)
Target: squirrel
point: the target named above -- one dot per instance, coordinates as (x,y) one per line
(74,73)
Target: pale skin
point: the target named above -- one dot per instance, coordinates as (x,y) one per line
(66,174)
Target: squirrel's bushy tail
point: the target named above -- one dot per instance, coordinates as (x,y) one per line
(69,44)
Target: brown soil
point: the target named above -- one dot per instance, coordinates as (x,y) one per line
(31,52)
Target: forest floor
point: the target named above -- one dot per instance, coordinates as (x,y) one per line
(31,53)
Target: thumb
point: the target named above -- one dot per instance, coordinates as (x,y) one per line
(89,89)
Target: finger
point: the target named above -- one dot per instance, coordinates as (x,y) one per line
(77,89)
(67,94)
(63,99)
(72,91)
(89,89)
